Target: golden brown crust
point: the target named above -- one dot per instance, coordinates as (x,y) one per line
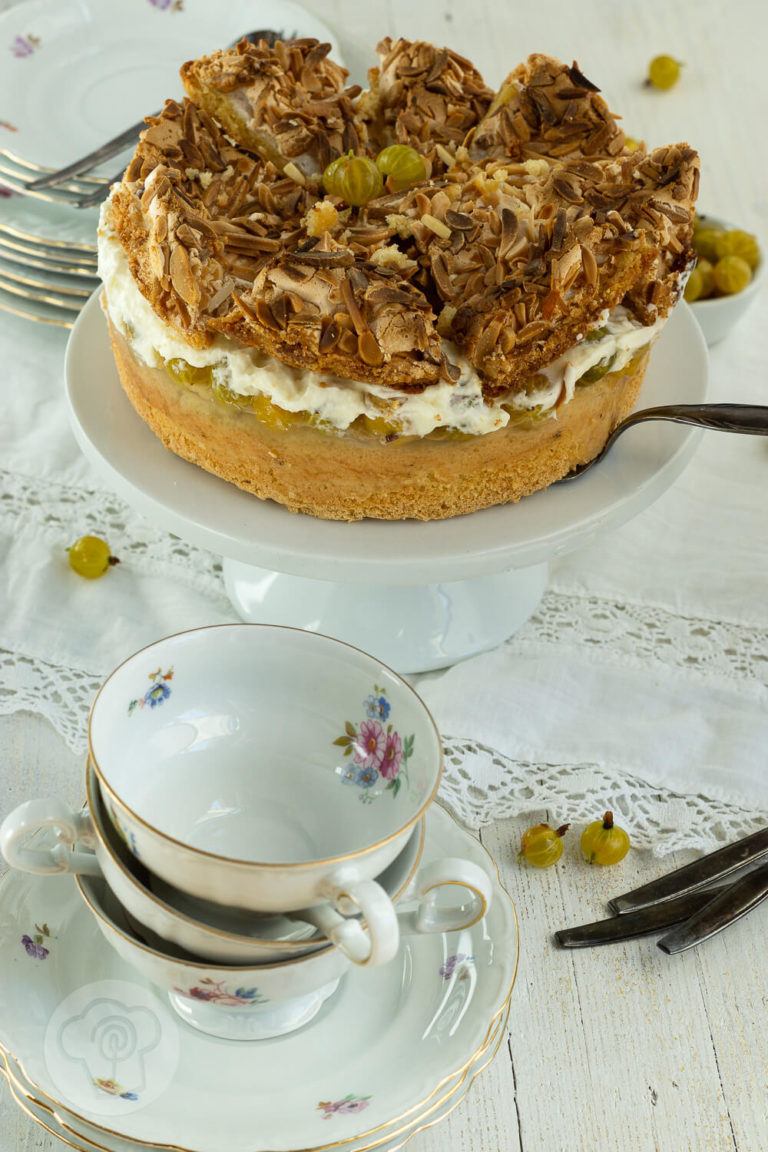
(345,476)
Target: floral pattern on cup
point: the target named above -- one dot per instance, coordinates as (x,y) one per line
(33,945)
(22,46)
(377,752)
(112,1088)
(460,960)
(213,992)
(168,5)
(157,692)
(343,1107)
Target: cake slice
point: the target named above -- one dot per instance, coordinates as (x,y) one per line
(424,96)
(546,108)
(287,102)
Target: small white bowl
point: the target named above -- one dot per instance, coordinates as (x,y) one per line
(717,315)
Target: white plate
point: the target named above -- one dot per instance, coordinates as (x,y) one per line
(77,72)
(382,1053)
(216,515)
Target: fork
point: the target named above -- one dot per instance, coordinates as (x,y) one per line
(15,173)
(53,278)
(69,183)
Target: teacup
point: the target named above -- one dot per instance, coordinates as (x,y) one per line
(259,767)
(231,935)
(257,1001)
(211,931)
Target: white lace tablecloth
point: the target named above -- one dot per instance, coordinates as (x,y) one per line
(640,682)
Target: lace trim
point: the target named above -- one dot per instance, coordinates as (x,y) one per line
(53,509)
(639,633)
(481,785)
(63,695)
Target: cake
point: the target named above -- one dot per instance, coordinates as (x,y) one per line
(448,342)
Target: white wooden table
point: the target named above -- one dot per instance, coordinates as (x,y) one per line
(620,1047)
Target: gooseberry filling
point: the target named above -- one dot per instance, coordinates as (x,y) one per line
(384,426)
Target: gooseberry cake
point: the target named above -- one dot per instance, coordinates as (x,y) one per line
(418,300)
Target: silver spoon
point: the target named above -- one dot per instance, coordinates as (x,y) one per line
(749,419)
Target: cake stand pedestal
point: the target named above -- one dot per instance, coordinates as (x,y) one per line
(411,627)
(418,596)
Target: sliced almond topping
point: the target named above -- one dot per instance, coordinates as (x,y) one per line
(184,283)
(294,173)
(264,315)
(369,350)
(436,226)
(329,336)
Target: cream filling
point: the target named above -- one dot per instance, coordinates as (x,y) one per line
(336,402)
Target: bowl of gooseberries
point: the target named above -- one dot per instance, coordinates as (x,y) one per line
(729,271)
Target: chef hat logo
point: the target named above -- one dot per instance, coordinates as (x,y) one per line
(111,1041)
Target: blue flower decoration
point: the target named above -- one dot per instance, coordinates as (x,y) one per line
(128,1096)
(377,707)
(156,694)
(361,776)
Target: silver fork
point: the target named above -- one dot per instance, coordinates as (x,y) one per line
(69,184)
(83,191)
(44,279)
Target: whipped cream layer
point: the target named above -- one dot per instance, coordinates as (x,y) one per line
(335,402)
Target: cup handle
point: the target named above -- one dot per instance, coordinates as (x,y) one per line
(71,827)
(375,945)
(452,871)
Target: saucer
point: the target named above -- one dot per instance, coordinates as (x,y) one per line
(78,1134)
(380,1056)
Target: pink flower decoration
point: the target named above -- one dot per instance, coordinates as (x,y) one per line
(393,756)
(370,744)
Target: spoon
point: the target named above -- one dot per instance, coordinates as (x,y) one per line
(749,419)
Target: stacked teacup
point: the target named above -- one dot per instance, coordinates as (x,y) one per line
(256,801)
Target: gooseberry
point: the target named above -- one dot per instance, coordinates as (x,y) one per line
(663,72)
(732,274)
(355,179)
(705,241)
(735,242)
(541,845)
(90,557)
(603,842)
(329,176)
(403,164)
(701,282)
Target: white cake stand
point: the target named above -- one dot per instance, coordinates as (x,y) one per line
(418,596)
